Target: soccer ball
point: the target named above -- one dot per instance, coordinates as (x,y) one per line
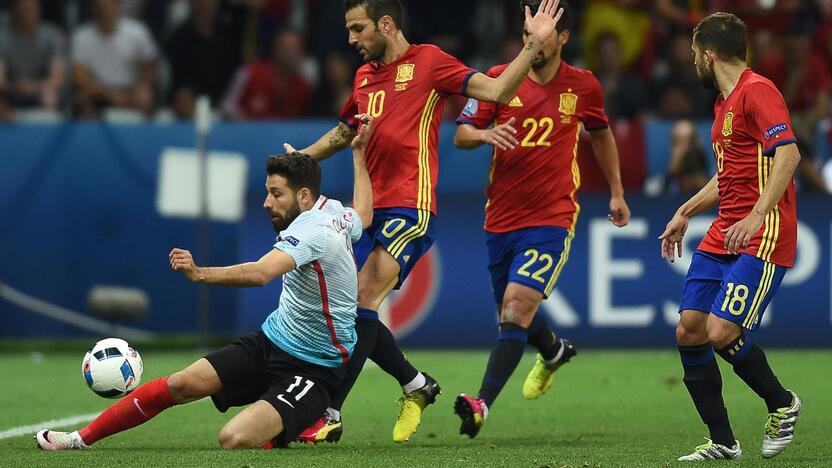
(112,368)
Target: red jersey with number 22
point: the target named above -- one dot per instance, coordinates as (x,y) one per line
(534,184)
(406,98)
(748,127)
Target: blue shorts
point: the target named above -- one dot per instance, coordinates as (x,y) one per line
(407,233)
(533,257)
(737,288)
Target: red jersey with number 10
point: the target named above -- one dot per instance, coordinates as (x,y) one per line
(748,127)
(406,98)
(534,184)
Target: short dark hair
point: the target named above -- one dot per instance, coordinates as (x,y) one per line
(299,169)
(377,9)
(566,20)
(723,33)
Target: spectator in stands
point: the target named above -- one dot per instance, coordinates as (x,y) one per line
(687,167)
(32,61)
(114,63)
(628,20)
(680,91)
(626,97)
(687,170)
(335,87)
(274,87)
(203,55)
(681,15)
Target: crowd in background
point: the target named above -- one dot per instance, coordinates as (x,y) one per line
(271,59)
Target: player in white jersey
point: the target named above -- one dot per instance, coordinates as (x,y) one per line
(285,371)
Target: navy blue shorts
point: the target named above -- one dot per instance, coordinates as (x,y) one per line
(407,233)
(533,257)
(737,288)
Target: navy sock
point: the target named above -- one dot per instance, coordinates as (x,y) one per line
(366,329)
(704,383)
(751,365)
(504,358)
(543,338)
(390,358)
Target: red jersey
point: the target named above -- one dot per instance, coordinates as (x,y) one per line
(406,98)
(748,126)
(267,95)
(534,184)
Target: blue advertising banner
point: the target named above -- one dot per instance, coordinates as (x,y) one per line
(615,290)
(78,208)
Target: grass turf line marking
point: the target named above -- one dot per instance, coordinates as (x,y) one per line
(52,423)
(57,423)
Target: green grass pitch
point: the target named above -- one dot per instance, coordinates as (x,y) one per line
(606,408)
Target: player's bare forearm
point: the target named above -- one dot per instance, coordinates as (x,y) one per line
(606,153)
(468,137)
(331,142)
(704,200)
(250,274)
(786,160)
(363,189)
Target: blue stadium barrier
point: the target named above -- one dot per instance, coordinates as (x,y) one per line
(78,208)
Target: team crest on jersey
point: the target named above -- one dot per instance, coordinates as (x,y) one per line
(728,124)
(568,103)
(405,72)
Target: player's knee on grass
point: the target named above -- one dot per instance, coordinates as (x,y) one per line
(231,439)
(691,329)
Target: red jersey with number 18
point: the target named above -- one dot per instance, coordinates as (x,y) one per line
(748,127)
(406,98)
(534,184)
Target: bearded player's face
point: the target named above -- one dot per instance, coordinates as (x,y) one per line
(281,202)
(704,70)
(550,50)
(365,35)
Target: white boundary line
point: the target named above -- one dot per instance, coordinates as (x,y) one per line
(52,423)
(57,423)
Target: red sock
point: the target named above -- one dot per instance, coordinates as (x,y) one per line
(136,408)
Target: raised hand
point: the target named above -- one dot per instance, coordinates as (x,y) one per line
(542,25)
(365,131)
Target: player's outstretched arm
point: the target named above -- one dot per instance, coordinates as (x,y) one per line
(606,153)
(363,189)
(674,232)
(786,159)
(501,89)
(502,136)
(330,143)
(259,273)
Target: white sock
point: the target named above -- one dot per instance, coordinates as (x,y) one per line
(76,436)
(484,411)
(418,382)
(334,413)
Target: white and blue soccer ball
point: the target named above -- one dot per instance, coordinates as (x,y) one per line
(112,368)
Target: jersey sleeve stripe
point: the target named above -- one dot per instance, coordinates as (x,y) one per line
(465,82)
(770,152)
